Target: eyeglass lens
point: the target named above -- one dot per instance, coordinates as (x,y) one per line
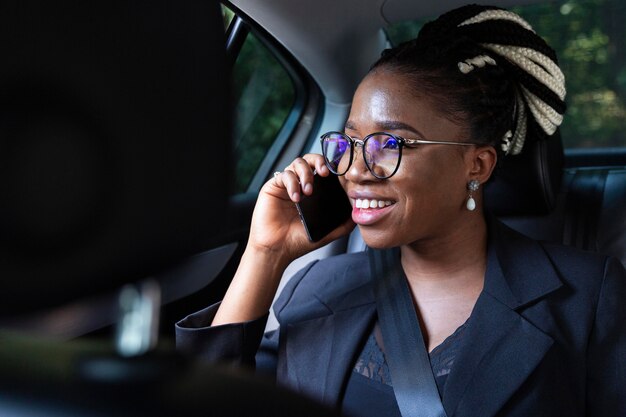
(381,153)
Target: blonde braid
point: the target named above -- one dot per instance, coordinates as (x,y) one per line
(498,14)
(535,63)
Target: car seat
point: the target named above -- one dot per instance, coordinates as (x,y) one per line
(583,206)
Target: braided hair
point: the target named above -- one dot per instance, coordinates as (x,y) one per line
(486,66)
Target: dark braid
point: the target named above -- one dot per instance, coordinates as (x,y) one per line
(485,66)
(507,33)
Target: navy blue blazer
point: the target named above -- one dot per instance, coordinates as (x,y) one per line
(547,336)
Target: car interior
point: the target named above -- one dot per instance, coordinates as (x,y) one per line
(134,138)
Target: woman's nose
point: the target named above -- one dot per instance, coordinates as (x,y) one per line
(358,171)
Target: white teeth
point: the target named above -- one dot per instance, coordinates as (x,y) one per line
(365,203)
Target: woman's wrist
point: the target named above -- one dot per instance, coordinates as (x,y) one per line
(269,259)
(253,287)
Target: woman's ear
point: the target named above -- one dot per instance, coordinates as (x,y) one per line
(481,161)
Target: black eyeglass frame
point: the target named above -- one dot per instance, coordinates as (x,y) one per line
(409,143)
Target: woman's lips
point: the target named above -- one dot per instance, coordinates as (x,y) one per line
(367,211)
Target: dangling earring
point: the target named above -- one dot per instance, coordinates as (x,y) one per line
(471,186)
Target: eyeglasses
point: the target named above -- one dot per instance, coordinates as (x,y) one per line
(382,151)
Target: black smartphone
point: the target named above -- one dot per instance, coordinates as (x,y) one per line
(324,210)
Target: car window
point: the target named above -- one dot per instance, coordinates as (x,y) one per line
(589,37)
(264,96)
(227,15)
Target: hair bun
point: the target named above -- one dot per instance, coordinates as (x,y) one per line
(542,91)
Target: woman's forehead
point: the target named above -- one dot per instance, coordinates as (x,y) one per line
(386,101)
(380,98)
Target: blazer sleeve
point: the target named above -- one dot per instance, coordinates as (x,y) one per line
(237,343)
(233,343)
(606,354)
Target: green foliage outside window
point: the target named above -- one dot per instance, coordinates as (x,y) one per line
(227,15)
(590,39)
(264,95)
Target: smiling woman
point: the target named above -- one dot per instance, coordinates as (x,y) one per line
(420,188)
(486,321)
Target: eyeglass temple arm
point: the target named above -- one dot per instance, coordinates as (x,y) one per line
(435,142)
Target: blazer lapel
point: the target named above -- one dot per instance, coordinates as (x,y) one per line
(321,351)
(500,351)
(501,348)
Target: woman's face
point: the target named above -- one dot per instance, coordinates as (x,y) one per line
(429,190)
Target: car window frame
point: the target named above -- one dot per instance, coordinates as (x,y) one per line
(299,125)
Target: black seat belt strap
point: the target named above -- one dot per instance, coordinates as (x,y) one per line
(411,374)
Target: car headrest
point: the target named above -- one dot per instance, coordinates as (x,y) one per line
(114,143)
(528,183)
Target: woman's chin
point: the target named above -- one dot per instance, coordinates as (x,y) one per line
(377,239)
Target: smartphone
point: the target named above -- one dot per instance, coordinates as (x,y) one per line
(324,210)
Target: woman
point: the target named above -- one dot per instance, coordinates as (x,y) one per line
(513,327)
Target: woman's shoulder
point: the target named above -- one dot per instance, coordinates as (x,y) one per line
(318,287)
(583,268)
(530,261)
(584,272)
(568,260)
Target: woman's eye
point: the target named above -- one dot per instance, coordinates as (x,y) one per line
(390,144)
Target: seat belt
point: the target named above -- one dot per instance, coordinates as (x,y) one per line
(409,364)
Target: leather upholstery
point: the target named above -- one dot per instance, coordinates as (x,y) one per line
(589,212)
(581,207)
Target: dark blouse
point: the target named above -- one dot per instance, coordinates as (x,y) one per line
(369,392)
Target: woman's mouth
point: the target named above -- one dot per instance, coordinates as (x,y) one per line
(371,203)
(367,211)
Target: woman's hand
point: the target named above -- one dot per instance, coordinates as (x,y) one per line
(276,225)
(277,237)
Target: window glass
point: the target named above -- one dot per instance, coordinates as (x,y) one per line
(264,96)
(227,15)
(589,37)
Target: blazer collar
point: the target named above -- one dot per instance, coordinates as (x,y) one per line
(518,270)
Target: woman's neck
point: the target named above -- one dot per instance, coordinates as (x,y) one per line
(455,261)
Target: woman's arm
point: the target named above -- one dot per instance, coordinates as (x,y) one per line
(277,237)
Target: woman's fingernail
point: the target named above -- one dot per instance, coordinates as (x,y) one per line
(295,196)
(308,188)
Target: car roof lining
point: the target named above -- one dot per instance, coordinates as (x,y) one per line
(353,40)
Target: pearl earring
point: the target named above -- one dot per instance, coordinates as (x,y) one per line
(471,186)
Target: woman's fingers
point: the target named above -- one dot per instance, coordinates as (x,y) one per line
(291,182)
(320,164)
(298,177)
(306,171)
